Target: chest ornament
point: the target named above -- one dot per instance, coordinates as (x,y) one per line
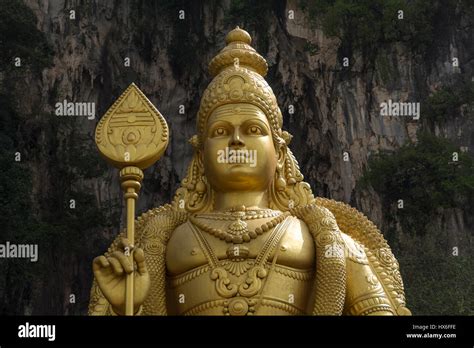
(237,231)
(241,297)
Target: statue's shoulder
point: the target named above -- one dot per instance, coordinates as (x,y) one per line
(359,230)
(368,244)
(154,225)
(158,223)
(354,250)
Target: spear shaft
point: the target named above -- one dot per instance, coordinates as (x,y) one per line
(131,178)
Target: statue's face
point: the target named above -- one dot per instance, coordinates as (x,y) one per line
(239,153)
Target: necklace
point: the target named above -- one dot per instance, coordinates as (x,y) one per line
(242,214)
(237,232)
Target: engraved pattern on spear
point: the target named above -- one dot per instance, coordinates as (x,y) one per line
(132,132)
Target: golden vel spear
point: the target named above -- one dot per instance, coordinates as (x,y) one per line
(132,135)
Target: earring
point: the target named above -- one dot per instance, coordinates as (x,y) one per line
(200,187)
(281,182)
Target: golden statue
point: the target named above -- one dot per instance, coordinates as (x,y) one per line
(244,234)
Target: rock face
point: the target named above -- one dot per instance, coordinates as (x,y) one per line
(100,48)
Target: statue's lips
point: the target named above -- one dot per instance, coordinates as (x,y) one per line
(238,165)
(239,169)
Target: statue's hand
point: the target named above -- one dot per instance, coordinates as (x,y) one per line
(110,273)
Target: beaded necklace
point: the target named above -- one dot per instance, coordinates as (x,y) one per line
(237,232)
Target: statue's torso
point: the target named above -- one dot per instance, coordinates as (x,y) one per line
(236,283)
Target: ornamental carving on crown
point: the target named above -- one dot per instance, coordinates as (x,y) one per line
(233,83)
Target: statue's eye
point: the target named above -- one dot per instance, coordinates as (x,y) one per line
(255,130)
(220,131)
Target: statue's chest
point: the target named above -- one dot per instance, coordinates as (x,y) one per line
(188,249)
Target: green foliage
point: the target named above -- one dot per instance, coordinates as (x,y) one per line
(425,177)
(15,184)
(15,179)
(57,229)
(436,282)
(368,23)
(444,104)
(18,225)
(41,217)
(19,37)
(80,158)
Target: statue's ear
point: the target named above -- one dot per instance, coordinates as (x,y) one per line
(282,148)
(200,158)
(196,143)
(281,155)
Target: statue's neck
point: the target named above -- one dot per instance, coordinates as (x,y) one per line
(228,200)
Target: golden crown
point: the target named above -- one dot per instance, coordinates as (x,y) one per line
(239,72)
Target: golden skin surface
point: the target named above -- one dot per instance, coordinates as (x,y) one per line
(184,253)
(238,127)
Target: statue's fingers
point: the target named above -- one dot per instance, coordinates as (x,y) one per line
(99,263)
(139,256)
(126,265)
(125,243)
(116,266)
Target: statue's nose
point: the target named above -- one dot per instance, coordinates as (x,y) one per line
(236,140)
